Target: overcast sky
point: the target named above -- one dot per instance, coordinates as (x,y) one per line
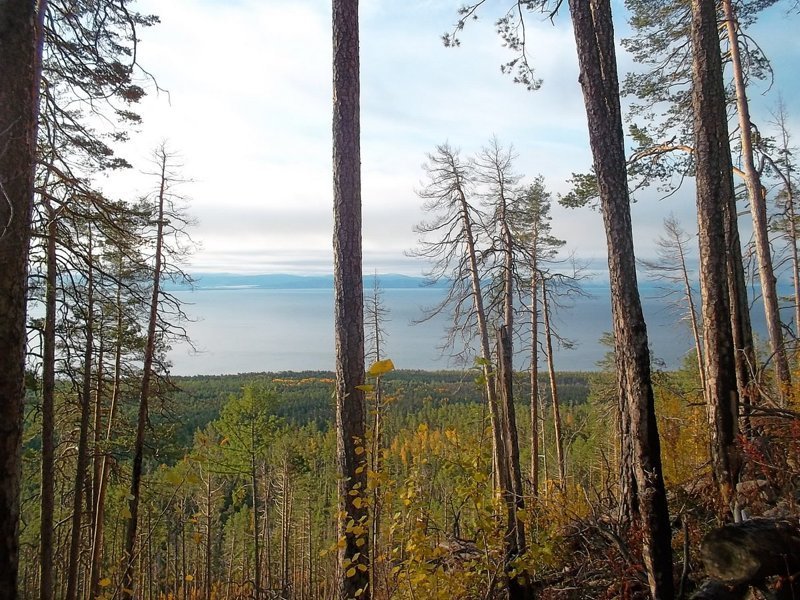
(249,111)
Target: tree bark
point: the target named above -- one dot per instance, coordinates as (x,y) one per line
(20,74)
(594,36)
(714,195)
(758,209)
(349,305)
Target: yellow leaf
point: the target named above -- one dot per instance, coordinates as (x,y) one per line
(359,450)
(369,388)
(190,578)
(381,367)
(350,572)
(104,582)
(360,542)
(125,513)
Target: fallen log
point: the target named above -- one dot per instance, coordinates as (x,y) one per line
(749,552)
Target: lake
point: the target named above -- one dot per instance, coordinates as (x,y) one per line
(254,330)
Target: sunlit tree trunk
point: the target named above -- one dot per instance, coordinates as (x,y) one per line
(714,193)
(758,209)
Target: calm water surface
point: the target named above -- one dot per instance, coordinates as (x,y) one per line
(250,330)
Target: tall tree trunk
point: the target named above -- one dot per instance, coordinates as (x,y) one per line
(20,73)
(594,36)
(714,193)
(349,305)
(758,209)
(48,416)
(129,575)
(559,438)
(534,400)
(83,436)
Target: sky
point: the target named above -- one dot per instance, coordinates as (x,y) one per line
(246,105)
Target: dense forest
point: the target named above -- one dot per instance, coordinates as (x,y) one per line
(497,481)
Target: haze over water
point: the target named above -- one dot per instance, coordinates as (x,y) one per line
(253,330)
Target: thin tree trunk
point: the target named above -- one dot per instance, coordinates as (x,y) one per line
(97,464)
(698,342)
(714,193)
(534,400)
(20,73)
(519,586)
(785,174)
(377,450)
(559,438)
(594,36)
(758,208)
(267,529)
(207,582)
(256,533)
(83,437)
(128,592)
(48,418)
(285,527)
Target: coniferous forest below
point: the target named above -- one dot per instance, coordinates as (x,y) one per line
(511,478)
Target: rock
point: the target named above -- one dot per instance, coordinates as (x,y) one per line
(749,552)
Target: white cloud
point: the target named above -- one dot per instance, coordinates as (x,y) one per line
(249,110)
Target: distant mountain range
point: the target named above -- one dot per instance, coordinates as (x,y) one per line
(229,281)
